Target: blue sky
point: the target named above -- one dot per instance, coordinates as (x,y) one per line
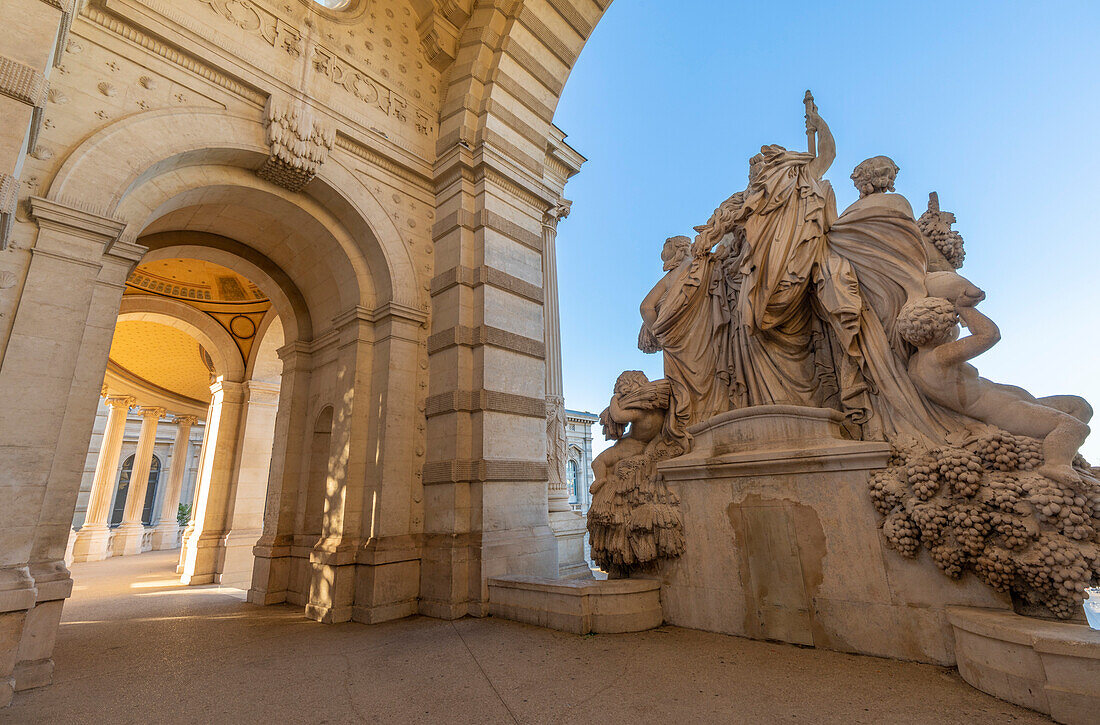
(995,105)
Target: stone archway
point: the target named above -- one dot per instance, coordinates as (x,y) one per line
(472,263)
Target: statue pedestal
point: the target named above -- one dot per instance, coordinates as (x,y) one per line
(569,529)
(784,544)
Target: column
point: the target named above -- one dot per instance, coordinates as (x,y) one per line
(94,536)
(204,551)
(189,530)
(246,516)
(132,531)
(272,560)
(569,527)
(166,534)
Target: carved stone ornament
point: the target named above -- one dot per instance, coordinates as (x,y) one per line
(299,143)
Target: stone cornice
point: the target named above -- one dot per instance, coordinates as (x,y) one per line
(63,217)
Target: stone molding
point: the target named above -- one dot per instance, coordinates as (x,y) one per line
(530,20)
(23,83)
(479,401)
(485,335)
(172,54)
(486,276)
(482,470)
(50,214)
(68,10)
(9,196)
(485,218)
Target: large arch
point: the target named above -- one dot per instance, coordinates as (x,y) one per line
(113,166)
(182,316)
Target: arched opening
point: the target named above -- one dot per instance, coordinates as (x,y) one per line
(285,300)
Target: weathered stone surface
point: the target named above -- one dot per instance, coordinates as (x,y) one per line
(783,544)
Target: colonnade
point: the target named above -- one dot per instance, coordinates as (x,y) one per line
(95,540)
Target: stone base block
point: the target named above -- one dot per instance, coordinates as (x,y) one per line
(166,536)
(1052,667)
(92,543)
(783,543)
(129,539)
(570,528)
(578,606)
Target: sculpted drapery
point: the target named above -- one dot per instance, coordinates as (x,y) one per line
(783,302)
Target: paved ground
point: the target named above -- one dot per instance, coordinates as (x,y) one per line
(136,647)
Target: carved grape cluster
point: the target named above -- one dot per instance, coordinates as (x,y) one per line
(982,507)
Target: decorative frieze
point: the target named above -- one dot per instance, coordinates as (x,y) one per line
(276,32)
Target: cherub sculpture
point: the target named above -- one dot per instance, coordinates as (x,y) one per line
(940,370)
(633,419)
(634,519)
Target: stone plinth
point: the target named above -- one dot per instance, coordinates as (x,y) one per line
(1052,667)
(783,543)
(570,528)
(576,605)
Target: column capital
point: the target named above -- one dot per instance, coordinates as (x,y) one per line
(121,401)
(151,411)
(556,213)
(185,420)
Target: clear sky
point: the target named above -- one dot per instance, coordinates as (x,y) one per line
(995,105)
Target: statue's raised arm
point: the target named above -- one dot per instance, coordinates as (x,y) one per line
(825,145)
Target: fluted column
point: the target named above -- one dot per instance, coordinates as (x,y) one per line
(568,526)
(166,533)
(93,537)
(557,492)
(132,530)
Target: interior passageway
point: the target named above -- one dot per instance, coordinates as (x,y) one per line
(136,645)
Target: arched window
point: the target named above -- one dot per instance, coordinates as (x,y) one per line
(571,480)
(333,4)
(124,488)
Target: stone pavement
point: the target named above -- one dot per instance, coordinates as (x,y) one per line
(135,646)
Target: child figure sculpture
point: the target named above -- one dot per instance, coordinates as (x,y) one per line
(940,371)
(639,404)
(634,519)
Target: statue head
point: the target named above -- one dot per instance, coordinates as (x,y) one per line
(928,322)
(875,175)
(630,381)
(674,252)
